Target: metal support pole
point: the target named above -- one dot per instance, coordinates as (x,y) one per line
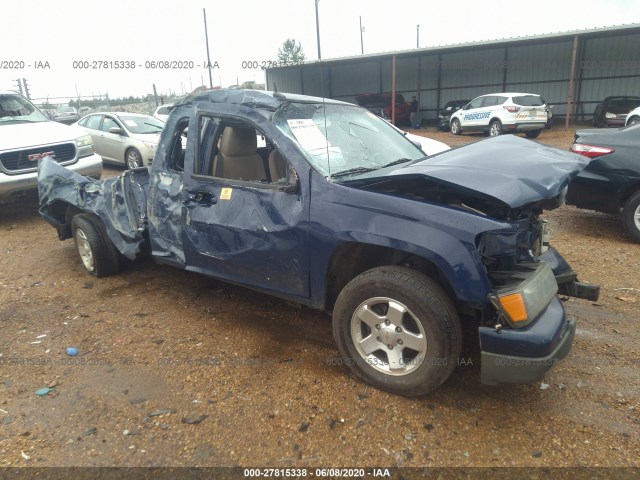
(418,36)
(206,37)
(318,30)
(361,41)
(393,90)
(570,99)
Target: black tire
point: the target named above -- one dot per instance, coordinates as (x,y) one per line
(633,121)
(533,133)
(631,216)
(97,253)
(599,120)
(495,128)
(422,314)
(455,127)
(132,158)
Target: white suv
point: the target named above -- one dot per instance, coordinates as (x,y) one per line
(499,113)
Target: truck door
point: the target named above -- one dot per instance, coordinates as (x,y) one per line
(244,211)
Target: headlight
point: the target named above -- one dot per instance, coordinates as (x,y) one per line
(525,302)
(84,144)
(150,145)
(84,141)
(610,115)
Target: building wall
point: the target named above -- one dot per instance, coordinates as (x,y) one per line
(607,64)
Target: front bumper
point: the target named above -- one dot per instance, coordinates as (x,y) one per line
(525,355)
(89,166)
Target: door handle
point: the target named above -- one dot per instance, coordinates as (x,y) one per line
(201,198)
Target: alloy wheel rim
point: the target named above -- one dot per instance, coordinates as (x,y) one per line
(84,249)
(388,336)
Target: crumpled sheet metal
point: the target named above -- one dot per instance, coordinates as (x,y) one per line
(165,216)
(120,202)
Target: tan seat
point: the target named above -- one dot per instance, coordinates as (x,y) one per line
(238,158)
(277,166)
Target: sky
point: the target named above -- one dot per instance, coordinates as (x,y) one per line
(51,42)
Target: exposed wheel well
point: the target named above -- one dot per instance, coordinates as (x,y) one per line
(351,259)
(629,192)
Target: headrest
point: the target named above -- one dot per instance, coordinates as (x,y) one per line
(238,142)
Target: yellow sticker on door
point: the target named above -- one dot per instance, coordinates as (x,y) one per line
(225,194)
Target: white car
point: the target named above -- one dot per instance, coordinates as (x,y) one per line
(499,113)
(633,117)
(27,135)
(162,112)
(427,145)
(128,139)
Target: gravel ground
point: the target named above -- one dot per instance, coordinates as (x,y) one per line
(175,369)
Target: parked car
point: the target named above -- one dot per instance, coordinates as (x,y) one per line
(66,115)
(82,111)
(633,117)
(345,215)
(26,135)
(498,113)
(612,111)
(380,104)
(128,139)
(444,116)
(611,181)
(162,112)
(428,145)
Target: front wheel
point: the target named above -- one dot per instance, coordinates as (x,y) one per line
(455,127)
(634,121)
(495,128)
(397,330)
(631,216)
(533,133)
(98,254)
(133,159)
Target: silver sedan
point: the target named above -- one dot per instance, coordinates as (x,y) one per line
(128,139)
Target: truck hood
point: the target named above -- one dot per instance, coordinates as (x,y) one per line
(28,135)
(511,171)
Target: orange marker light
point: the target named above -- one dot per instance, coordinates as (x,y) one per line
(514,306)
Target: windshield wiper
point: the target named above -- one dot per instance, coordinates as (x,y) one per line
(353,171)
(398,162)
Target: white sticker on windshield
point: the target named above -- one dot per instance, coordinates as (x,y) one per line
(131,123)
(308,134)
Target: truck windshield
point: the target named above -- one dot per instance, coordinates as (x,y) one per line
(342,141)
(16,109)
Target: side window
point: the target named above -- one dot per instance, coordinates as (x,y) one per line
(236,150)
(489,101)
(109,123)
(93,122)
(178,148)
(477,103)
(500,100)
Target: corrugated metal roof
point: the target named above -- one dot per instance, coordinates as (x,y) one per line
(499,41)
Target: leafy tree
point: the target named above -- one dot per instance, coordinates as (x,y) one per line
(291,52)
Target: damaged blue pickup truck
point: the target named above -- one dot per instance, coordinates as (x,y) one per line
(322,203)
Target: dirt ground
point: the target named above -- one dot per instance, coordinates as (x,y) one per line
(175,369)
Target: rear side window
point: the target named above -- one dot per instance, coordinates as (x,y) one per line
(163,111)
(93,122)
(528,101)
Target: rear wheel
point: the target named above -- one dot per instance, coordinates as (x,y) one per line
(495,128)
(533,133)
(631,216)
(455,127)
(397,330)
(98,254)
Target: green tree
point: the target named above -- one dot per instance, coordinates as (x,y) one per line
(291,52)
